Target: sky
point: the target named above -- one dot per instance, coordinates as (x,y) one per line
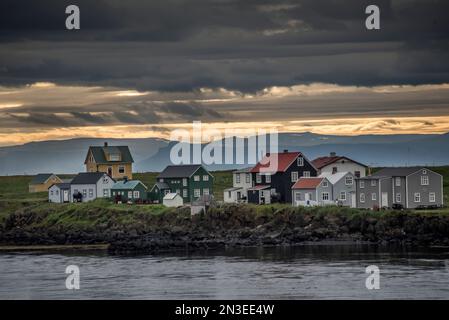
(142,69)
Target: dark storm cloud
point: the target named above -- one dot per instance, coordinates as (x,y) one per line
(181,45)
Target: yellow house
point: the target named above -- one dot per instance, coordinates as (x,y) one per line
(42,182)
(116,161)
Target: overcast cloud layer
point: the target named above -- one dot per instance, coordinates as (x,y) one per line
(171,61)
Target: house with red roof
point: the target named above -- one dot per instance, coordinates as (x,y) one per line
(274,176)
(334,163)
(313,191)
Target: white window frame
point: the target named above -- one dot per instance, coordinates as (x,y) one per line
(398,197)
(300,162)
(84,193)
(374,196)
(362,184)
(298,196)
(91,193)
(184,182)
(206,191)
(196,193)
(325,184)
(432,197)
(373,183)
(105,193)
(130,194)
(397,181)
(323,194)
(351,181)
(417,197)
(424,180)
(205,177)
(196,178)
(248,177)
(121,169)
(306,174)
(184,193)
(237,178)
(343,193)
(268,178)
(258,178)
(362,198)
(136,194)
(294,176)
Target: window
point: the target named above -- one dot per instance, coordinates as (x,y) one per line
(229,194)
(184,182)
(205,177)
(417,197)
(294,176)
(325,184)
(306,174)
(258,178)
(91,193)
(161,180)
(105,193)
(373,183)
(349,180)
(130,194)
(113,193)
(196,193)
(424,180)
(121,169)
(334,169)
(300,162)
(114,157)
(398,198)
(424,171)
(374,196)
(105,180)
(362,184)
(206,191)
(362,197)
(343,195)
(298,196)
(397,181)
(248,178)
(57,192)
(237,178)
(325,196)
(51,192)
(432,197)
(357,174)
(268,178)
(84,193)
(196,178)
(136,194)
(184,193)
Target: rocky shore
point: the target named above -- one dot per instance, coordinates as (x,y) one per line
(227,225)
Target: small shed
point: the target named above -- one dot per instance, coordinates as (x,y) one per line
(59,193)
(129,191)
(172,200)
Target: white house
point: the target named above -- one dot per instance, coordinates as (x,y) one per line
(241,182)
(59,193)
(334,164)
(172,200)
(88,186)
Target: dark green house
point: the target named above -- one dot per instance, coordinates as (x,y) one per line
(129,190)
(189,181)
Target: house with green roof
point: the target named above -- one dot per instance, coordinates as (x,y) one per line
(129,190)
(189,181)
(115,161)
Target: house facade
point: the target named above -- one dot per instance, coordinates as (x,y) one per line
(189,181)
(90,186)
(115,161)
(241,182)
(42,181)
(172,200)
(59,193)
(278,172)
(407,187)
(334,163)
(158,191)
(343,188)
(312,191)
(129,191)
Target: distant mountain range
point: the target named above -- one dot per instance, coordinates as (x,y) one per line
(151,154)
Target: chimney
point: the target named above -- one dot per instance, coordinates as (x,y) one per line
(105,144)
(285,150)
(333,154)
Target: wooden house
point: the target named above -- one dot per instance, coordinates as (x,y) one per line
(129,191)
(42,181)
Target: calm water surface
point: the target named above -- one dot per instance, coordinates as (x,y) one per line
(305,272)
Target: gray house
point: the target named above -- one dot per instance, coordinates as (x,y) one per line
(88,186)
(312,192)
(407,187)
(59,193)
(343,188)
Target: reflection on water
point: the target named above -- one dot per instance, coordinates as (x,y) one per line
(303,272)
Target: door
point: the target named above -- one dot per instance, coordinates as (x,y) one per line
(384,199)
(353,200)
(307,197)
(65,196)
(110,171)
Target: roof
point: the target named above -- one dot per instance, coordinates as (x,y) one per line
(204,200)
(41,178)
(88,177)
(99,153)
(333,177)
(171,196)
(397,171)
(180,171)
(127,184)
(232,189)
(161,185)
(307,183)
(244,170)
(324,161)
(260,187)
(284,160)
(61,185)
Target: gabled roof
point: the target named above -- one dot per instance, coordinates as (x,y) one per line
(321,162)
(127,185)
(41,178)
(244,170)
(334,177)
(396,172)
(259,187)
(88,177)
(99,154)
(307,183)
(171,196)
(160,186)
(284,160)
(62,186)
(180,171)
